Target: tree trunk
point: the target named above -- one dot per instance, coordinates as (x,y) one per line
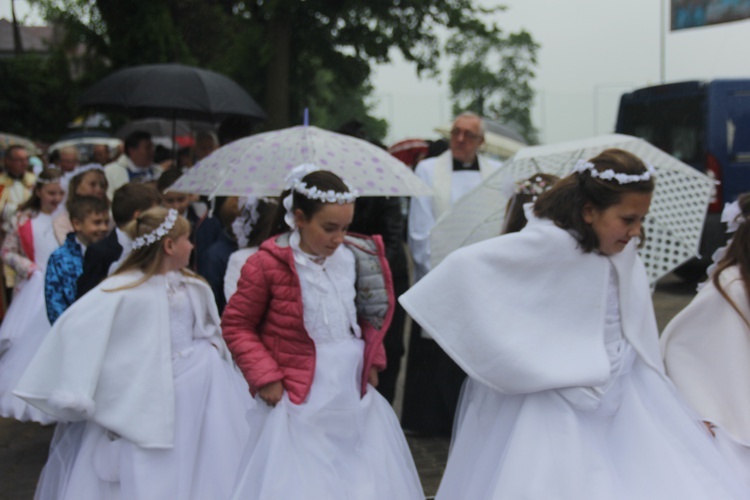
(277,77)
(17,44)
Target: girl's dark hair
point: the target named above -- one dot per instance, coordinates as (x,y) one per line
(75,183)
(526,192)
(324,181)
(46,176)
(564,203)
(737,253)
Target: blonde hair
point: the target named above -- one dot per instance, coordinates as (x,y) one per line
(148,259)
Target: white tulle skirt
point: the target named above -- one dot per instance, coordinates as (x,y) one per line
(641,443)
(23,329)
(334,446)
(735,452)
(211,400)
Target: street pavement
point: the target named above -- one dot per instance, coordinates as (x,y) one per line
(23,446)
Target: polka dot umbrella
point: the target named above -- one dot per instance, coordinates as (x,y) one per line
(258,165)
(673,225)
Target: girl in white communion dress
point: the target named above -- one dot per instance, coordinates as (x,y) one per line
(567,396)
(139,367)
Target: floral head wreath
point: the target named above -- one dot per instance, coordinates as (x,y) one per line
(246,221)
(55,180)
(533,187)
(87,168)
(294,183)
(732,216)
(158,233)
(610,175)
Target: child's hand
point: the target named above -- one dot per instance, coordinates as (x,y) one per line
(271,393)
(373,380)
(710,427)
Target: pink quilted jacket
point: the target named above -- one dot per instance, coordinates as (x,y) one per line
(263,324)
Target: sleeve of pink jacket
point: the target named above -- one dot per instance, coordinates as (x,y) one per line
(241,322)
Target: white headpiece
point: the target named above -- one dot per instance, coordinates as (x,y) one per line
(56,180)
(86,168)
(244,224)
(533,187)
(294,183)
(732,216)
(158,233)
(609,174)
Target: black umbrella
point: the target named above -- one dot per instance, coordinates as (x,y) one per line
(171,91)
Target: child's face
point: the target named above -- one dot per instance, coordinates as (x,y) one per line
(50,196)
(178,251)
(93,228)
(178,201)
(92,184)
(616,225)
(324,232)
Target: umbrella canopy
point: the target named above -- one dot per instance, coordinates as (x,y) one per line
(7,140)
(258,165)
(673,226)
(172,91)
(409,151)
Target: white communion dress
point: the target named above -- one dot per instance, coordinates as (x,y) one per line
(337,445)
(706,350)
(208,425)
(567,397)
(630,438)
(25,326)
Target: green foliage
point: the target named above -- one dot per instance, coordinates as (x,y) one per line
(36,100)
(492,76)
(288,54)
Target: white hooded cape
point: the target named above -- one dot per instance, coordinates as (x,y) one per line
(524,312)
(706,350)
(108,359)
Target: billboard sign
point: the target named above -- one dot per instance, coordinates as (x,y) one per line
(697,13)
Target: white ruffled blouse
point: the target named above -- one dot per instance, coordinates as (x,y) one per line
(328,293)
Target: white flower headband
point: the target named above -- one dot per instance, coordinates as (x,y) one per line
(533,187)
(294,183)
(87,168)
(56,180)
(732,216)
(609,174)
(243,225)
(158,233)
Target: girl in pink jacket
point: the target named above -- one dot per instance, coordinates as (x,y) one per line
(306,328)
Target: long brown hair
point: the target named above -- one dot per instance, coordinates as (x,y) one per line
(324,180)
(526,191)
(46,176)
(737,253)
(564,203)
(148,259)
(75,183)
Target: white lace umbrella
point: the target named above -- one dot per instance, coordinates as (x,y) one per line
(257,165)
(673,226)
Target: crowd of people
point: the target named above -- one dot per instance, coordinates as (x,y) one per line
(249,348)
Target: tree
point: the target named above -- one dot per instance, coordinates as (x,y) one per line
(291,54)
(35,94)
(492,76)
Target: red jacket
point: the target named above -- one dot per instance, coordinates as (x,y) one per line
(263,322)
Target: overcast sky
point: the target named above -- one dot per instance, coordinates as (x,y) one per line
(591,52)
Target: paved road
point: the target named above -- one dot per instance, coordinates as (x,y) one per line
(23,447)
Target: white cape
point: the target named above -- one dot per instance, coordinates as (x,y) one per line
(706,350)
(524,312)
(108,359)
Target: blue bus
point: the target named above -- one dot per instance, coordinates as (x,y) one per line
(706,124)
